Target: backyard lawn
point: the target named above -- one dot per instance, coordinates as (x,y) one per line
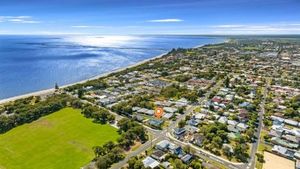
(63,139)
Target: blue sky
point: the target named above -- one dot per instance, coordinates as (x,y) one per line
(150,17)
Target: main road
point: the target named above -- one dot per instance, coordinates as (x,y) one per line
(251,164)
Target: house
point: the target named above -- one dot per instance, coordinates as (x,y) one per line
(291,138)
(229,147)
(191,129)
(170,109)
(158,155)
(233,136)
(243,115)
(216,99)
(291,122)
(166,165)
(200,116)
(150,162)
(157,83)
(193,122)
(297,164)
(297,155)
(198,139)
(244,104)
(232,128)
(178,132)
(229,97)
(275,118)
(223,120)
(150,112)
(175,149)
(163,145)
(142,110)
(275,133)
(242,127)
(284,143)
(232,122)
(139,118)
(168,115)
(136,108)
(107,101)
(181,102)
(186,158)
(155,123)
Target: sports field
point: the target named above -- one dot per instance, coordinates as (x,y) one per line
(62,140)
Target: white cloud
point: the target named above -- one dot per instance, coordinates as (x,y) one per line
(165,20)
(88,26)
(18,19)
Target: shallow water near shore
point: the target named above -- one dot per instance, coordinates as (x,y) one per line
(33,63)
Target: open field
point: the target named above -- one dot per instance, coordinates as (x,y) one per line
(274,161)
(61,140)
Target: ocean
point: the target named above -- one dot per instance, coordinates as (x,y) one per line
(33,63)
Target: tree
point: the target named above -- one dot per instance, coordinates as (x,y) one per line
(56,86)
(111,118)
(109,146)
(201,93)
(181,124)
(227,152)
(80,93)
(178,164)
(226,82)
(240,152)
(217,141)
(260,157)
(188,149)
(99,151)
(102,162)
(139,165)
(196,164)
(131,162)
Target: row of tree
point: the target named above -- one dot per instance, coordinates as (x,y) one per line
(99,114)
(30,109)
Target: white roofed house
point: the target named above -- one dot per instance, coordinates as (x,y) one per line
(242,127)
(150,112)
(170,109)
(232,122)
(136,108)
(291,138)
(223,120)
(200,116)
(182,102)
(291,122)
(168,115)
(150,162)
(163,145)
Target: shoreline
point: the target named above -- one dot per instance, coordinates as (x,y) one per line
(51,91)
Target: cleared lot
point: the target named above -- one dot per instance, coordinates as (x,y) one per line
(274,161)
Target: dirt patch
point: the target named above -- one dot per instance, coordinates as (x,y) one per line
(42,123)
(80,146)
(274,161)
